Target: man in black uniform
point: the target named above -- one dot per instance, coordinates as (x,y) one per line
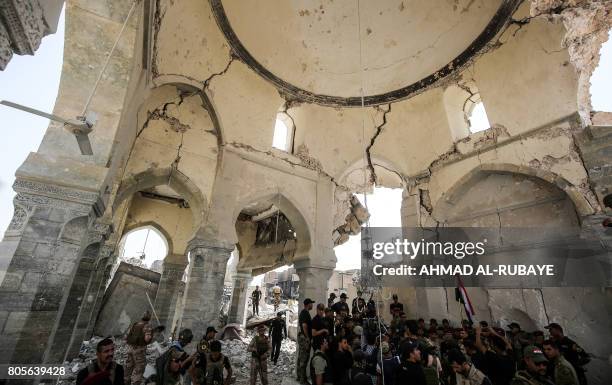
(329,321)
(304,340)
(319,325)
(331,299)
(341,307)
(571,351)
(277,333)
(255,297)
(395,307)
(410,371)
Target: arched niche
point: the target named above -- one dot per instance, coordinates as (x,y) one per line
(533,185)
(170,177)
(289,209)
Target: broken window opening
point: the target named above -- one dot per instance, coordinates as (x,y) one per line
(145,247)
(478,120)
(601,79)
(283,133)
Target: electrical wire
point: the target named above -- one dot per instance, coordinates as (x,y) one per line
(108,57)
(365,182)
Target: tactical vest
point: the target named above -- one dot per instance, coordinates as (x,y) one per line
(136,335)
(475,377)
(261,347)
(328,377)
(214,370)
(526,378)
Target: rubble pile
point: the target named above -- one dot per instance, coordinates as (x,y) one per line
(240,359)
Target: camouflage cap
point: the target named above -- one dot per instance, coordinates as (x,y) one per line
(535,353)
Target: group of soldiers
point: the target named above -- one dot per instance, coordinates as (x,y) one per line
(206,366)
(256,296)
(344,345)
(354,346)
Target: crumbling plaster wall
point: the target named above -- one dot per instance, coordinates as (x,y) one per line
(587,23)
(491,199)
(527,80)
(248,176)
(175,131)
(187,41)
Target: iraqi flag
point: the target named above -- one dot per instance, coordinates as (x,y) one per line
(461,295)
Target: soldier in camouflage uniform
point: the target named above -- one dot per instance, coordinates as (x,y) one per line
(259,348)
(535,372)
(304,340)
(138,337)
(563,372)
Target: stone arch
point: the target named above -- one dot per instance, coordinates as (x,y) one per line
(186,83)
(171,177)
(581,205)
(290,208)
(387,172)
(165,235)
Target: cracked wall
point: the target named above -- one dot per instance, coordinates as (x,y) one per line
(176,132)
(587,25)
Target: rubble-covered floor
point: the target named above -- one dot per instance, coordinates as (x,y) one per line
(235,349)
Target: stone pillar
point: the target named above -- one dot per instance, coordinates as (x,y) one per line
(204,289)
(47,234)
(86,310)
(314,282)
(237,311)
(104,271)
(168,290)
(63,334)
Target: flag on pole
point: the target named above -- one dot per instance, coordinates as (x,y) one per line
(461,295)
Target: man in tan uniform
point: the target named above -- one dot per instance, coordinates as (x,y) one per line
(138,337)
(563,371)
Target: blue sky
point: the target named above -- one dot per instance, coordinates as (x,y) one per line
(34,81)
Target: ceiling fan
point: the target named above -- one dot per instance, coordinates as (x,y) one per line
(79,127)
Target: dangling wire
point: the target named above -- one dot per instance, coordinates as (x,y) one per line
(108,57)
(365,180)
(277,217)
(145,244)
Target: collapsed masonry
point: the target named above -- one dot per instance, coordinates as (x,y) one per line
(187,111)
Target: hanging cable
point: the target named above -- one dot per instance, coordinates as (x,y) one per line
(145,244)
(277,217)
(108,57)
(365,181)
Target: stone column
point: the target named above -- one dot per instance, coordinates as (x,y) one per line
(204,289)
(314,282)
(237,311)
(105,271)
(63,334)
(168,290)
(86,310)
(47,235)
